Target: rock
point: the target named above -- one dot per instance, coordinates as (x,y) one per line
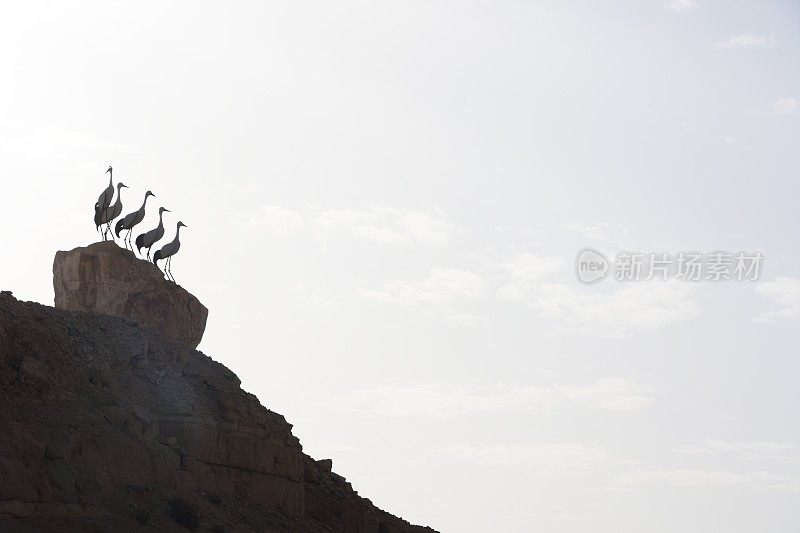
(104,278)
(99,461)
(33,368)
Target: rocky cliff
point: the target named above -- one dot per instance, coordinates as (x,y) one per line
(107,425)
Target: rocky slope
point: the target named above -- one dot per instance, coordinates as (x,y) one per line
(109,426)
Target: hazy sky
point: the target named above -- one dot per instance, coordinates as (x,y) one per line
(384,202)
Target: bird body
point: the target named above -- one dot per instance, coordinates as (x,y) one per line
(105,216)
(104,200)
(148,239)
(169,250)
(132,219)
(113,211)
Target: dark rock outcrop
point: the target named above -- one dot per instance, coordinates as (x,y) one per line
(104,278)
(106,426)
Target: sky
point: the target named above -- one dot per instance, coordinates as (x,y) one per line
(384,204)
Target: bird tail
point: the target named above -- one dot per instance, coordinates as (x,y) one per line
(156,257)
(140,242)
(118,227)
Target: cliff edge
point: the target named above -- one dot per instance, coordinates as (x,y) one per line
(109,426)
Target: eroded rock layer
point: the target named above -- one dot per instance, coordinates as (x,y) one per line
(108,426)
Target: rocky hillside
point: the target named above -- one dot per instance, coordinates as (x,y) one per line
(110,426)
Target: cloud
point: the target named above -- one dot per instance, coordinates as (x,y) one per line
(784,106)
(530,267)
(384,225)
(277,220)
(634,307)
(610,394)
(784,293)
(435,294)
(681,6)
(54,143)
(441,400)
(610,233)
(707,478)
(554,458)
(388,225)
(444,400)
(752,451)
(748,41)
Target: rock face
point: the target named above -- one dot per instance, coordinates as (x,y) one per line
(107,426)
(104,278)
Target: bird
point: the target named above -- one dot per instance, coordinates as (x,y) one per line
(168,250)
(132,219)
(113,211)
(104,200)
(147,240)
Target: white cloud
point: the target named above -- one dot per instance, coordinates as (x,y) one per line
(277,220)
(531,267)
(610,394)
(635,307)
(385,225)
(611,233)
(681,6)
(784,106)
(436,294)
(707,478)
(443,400)
(554,458)
(54,143)
(748,41)
(784,293)
(388,225)
(753,451)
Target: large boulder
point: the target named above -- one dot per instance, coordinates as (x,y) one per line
(104,278)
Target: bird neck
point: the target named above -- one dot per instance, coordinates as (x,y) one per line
(145,201)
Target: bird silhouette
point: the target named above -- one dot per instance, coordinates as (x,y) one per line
(104,200)
(112,212)
(169,250)
(147,240)
(132,219)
